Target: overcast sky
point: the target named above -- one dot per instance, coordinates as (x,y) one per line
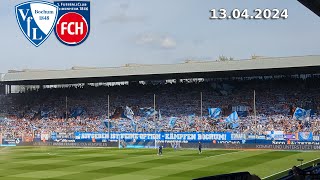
(163,31)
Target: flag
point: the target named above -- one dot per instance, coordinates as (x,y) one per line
(191,118)
(235,125)
(142,122)
(106,123)
(45,113)
(77,112)
(214,112)
(33,127)
(232,117)
(172,121)
(160,117)
(147,112)
(128,113)
(134,125)
(300,114)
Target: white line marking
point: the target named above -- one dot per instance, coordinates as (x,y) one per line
(288,169)
(1,150)
(225,154)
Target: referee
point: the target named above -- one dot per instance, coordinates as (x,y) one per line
(200,147)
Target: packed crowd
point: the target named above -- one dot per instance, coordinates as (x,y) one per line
(53,109)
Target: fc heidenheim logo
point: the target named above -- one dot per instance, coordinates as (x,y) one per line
(36,20)
(69,19)
(73,25)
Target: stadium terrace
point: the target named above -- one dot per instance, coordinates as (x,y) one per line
(260,100)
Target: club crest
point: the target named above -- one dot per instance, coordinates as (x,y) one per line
(73,25)
(36,20)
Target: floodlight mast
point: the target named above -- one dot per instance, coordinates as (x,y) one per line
(201,106)
(255,113)
(108,116)
(154,120)
(66,108)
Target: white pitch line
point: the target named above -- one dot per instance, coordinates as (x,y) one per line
(288,169)
(1,150)
(119,176)
(225,154)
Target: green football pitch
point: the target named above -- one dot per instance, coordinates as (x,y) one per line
(24,163)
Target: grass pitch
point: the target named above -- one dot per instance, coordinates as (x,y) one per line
(53,163)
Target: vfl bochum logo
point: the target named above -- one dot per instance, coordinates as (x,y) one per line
(36,20)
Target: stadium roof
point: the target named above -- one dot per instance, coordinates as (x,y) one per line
(162,71)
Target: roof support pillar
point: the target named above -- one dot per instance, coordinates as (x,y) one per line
(8,89)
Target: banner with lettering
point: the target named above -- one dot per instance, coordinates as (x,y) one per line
(163,136)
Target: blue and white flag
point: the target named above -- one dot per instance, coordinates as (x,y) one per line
(232,117)
(214,112)
(107,123)
(300,114)
(191,119)
(235,125)
(172,121)
(44,113)
(128,113)
(33,127)
(77,112)
(134,125)
(160,117)
(308,113)
(147,112)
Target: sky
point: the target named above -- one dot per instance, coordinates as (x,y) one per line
(163,32)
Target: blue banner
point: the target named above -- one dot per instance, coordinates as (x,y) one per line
(305,136)
(11,142)
(54,136)
(163,136)
(275,135)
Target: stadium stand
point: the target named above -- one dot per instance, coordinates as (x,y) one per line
(292,83)
(251,97)
(87,106)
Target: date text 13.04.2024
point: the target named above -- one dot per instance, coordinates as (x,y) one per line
(246,14)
